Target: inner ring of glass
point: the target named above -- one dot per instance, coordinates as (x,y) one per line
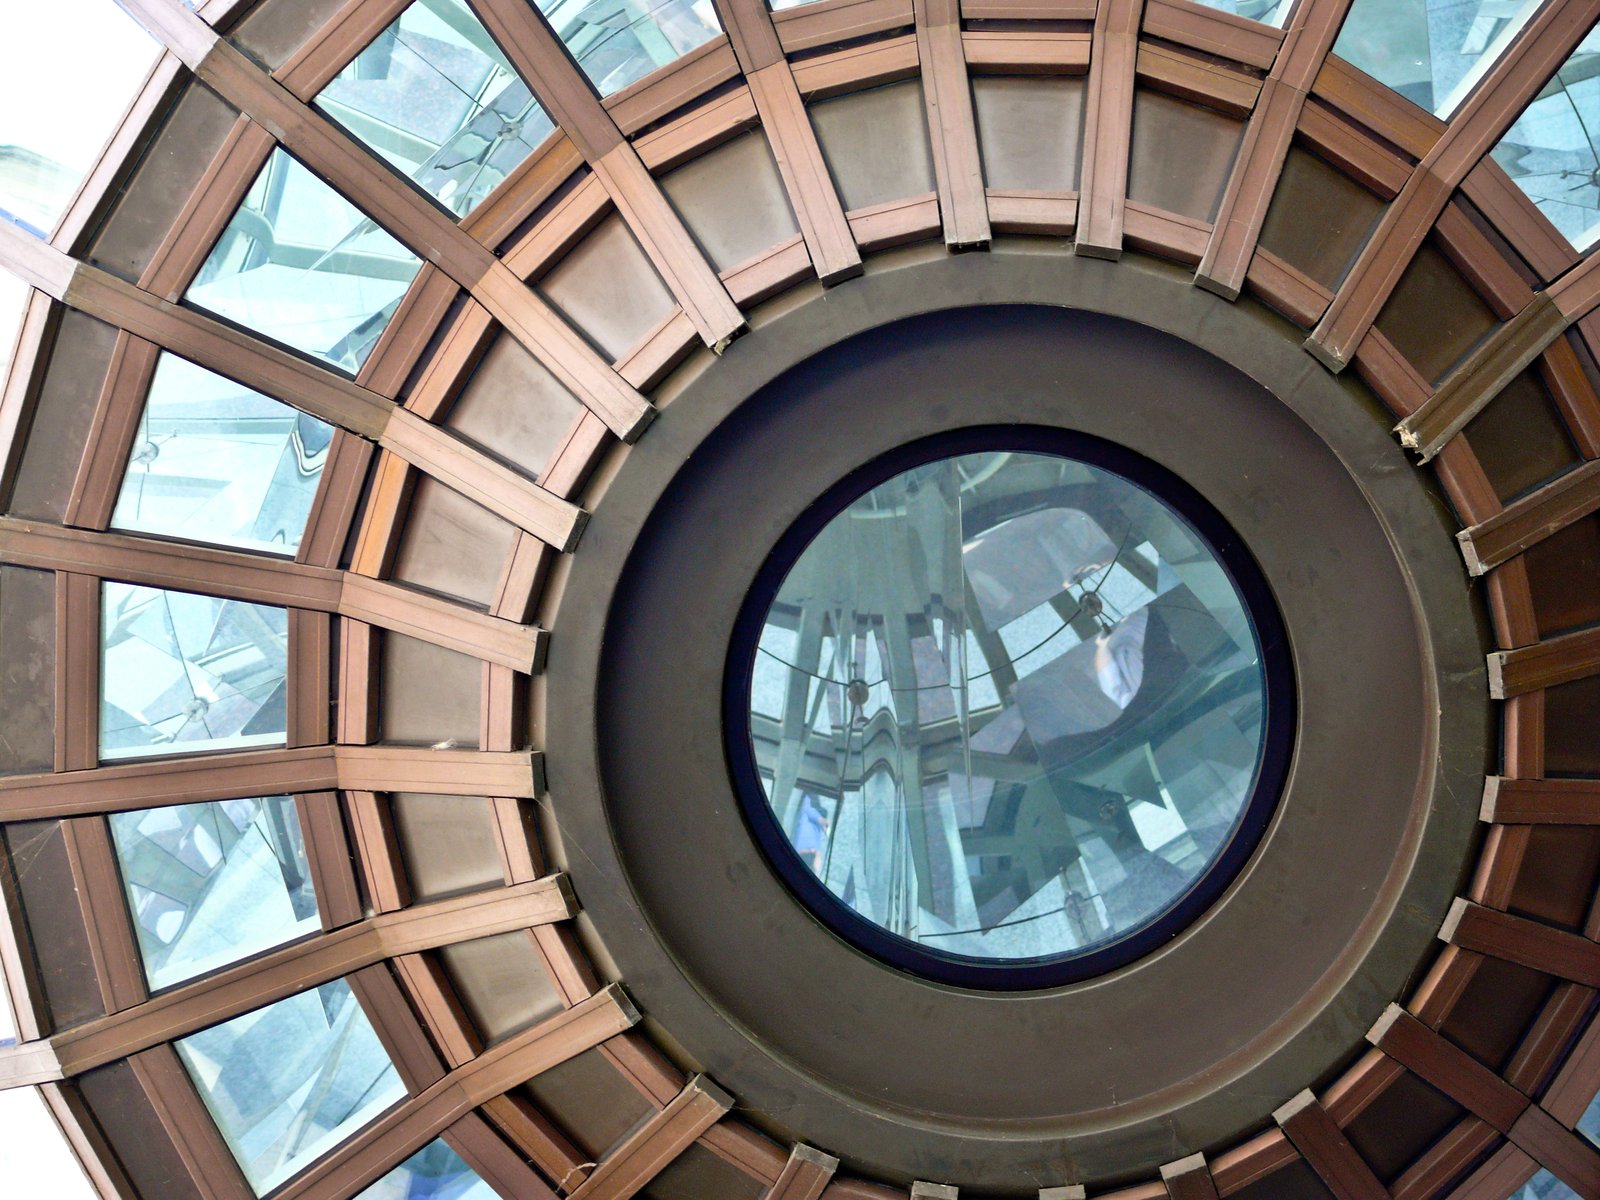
(1008,709)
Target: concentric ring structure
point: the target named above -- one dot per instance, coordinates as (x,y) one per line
(402,412)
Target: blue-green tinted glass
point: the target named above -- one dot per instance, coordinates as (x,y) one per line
(182,673)
(1544,1186)
(216,462)
(300,264)
(1268,12)
(435,1172)
(211,884)
(619,41)
(1552,153)
(1431,51)
(289,1082)
(1008,706)
(436,98)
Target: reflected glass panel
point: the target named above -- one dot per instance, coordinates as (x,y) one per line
(216,462)
(1551,151)
(211,884)
(289,1082)
(619,41)
(435,97)
(1432,52)
(300,264)
(56,118)
(1544,1186)
(436,1172)
(1268,12)
(182,673)
(1008,707)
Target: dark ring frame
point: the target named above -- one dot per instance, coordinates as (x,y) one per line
(1272,764)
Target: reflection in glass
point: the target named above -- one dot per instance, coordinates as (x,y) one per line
(212,884)
(1431,51)
(299,263)
(1551,151)
(619,41)
(1007,706)
(216,462)
(434,96)
(289,1082)
(436,1172)
(1268,12)
(187,673)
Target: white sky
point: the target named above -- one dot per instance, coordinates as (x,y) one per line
(65,108)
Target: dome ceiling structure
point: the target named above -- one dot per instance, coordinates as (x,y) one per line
(406,406)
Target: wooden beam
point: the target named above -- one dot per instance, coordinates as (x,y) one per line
(1568,1156)
(1108,128)
(1523,941)
(1324,1146)
(646,1153)
(830,22)
(445,772)
(498,1164)
(285,972)
(1528,521)
(1448,1068)
(1541,801)
(1312,31)
(805,1175)
(851,68)
(1541,48)
(1214,31)
(1544,664)
(191,1130)
(952,123)
(1189,1179)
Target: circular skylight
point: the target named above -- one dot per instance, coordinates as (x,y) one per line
(1008,715)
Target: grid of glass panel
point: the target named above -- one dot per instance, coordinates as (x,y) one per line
(435,97)
(183,673)
(1268,12)
(216,462)
(1551,151)
(619,41)
(300,264)
(436,1172)
(1431,51)
(211,884)
(289,1082)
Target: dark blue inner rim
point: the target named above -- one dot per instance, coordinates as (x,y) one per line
(1031,974)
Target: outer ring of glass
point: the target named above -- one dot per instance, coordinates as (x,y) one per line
(1272,765)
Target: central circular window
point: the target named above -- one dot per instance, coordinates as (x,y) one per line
(1009,708)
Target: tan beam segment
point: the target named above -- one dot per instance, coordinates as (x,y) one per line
(285,972)
(1108,128)
(812,195)
(1237,229)
(952,123)
(805,1176)
(396,205)
(1189,1179)
(561,87)
(1544,664)
(1541,801)
(1451,1070)
(1505,91)
(516,773)
(1530,520)
(261,580)
(1324,1146)
(1522,941)
(631,1166)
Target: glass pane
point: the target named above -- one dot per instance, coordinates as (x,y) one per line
(216,462)
(1431,51)
(1551,151)
(54,124)
(1544,1186)
(181,673)
(289,1082)
(1008,707)
(299,263)
(435,97)
(1268,12)
(211,884)
(435,1172)
(619,41)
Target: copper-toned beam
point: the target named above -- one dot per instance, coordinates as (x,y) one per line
(1541,801)
(1525,942)
(668,88)
(1542,47)
(445,772)
(1531,519)
(97,886)
(1544,664)
(854,67)
(278,974)
(77,682)
(1569,1156)
(1514,215)
(805,1175)
(1214,31)
(173,1100)
(1189,1179)
(829,22)
(631,1166)
(1108,128)
(952,124)
(1324,1145)
(496,1163)
(409,1126)
(1256,171)
(1449,1068)
(111,433)
(330,49)
(1196,79)
(328,856)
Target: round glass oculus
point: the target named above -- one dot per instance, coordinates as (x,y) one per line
(1009,717)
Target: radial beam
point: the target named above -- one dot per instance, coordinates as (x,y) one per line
(1324,1146)
(1108,128)
(629,1168)
(952,123)
(1530,520)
